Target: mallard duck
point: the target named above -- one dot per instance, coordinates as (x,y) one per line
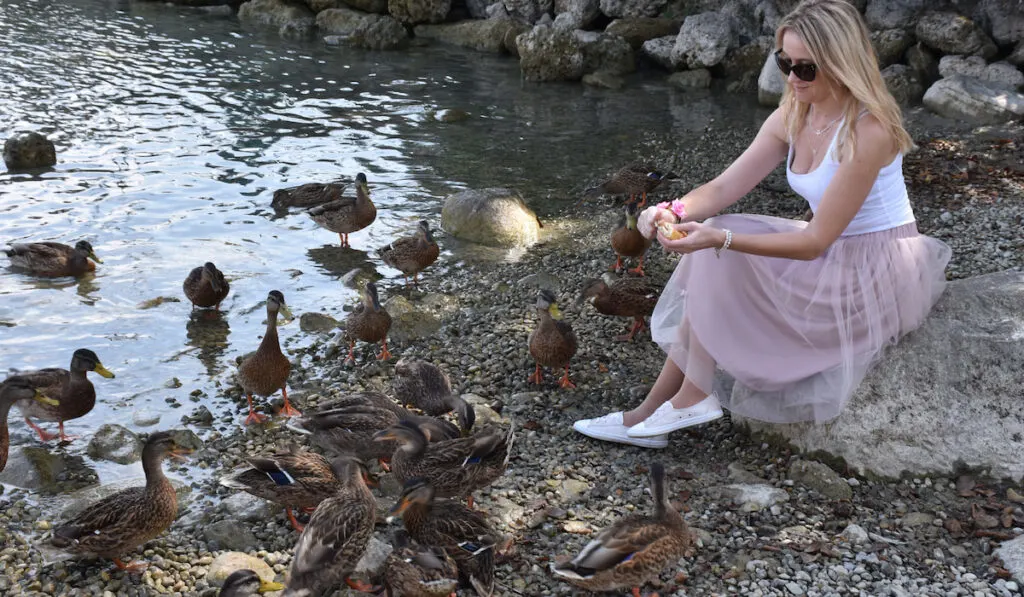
(15,389)
(412,254)
(206,287)
(462,532)
(308,195)
(369,322)
(622,297)
(266,371)
(347,214)
(418,571)
(54,259)
(634,550)
(290,477)
(423,385)
(246,583)
(552,342)
(336,536)
(130,517)
(634,179)
(455,467)
(628,242)
(70,387)
(348,425)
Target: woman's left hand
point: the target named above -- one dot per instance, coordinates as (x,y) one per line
(698,236)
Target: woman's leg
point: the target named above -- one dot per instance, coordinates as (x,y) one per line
(665,387)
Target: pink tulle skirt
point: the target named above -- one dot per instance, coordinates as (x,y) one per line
(796,336)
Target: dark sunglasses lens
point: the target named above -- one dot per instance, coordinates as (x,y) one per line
(804,72)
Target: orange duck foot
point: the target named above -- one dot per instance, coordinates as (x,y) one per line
(362,586)
(63,436)
(131,566)
(615,266)
(44,435)
(295,523)
(536,377)
(288,410)
(565,382)
(384,354)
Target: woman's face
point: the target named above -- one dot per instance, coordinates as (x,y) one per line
(795,52)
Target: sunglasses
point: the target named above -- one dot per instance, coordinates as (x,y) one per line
(805,71)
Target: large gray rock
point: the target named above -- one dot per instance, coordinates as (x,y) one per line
(272,13)
(496,217)
(951,33)
(903,83)
(660,50)
(606,53)
(974,100)
(363,30)
(411,12)
(528,11)
(703,40)
(1012,554)
(580,14)
(487,35)
(1002,19)
(890,45)
(29,150)
(894,14)
(116,444)
(549,54)
(770,83)
(618,9)
(638,30)
(947,395)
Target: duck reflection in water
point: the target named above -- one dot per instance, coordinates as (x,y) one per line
(339,261)
(208,331)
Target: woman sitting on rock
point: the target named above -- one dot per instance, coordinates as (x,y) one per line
(796,312)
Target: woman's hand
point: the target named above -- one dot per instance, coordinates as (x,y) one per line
(647,223)
(698,236)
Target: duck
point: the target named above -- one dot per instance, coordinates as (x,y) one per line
(423,385)
(411,254)
(15,389)
(633,550)
(206,287)
(290,477)
(246,583)
(413,570)
(308,195)
(336,536)
(74,393)
(347,214)
(369,322)
(266,371)
(628,242)
(455,467)
(634,179)
(552,342)
(460,531)
(53,259)
(622,297)
(127,519)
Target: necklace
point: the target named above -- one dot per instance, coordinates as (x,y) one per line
(821,131)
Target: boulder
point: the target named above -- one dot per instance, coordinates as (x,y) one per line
(974,100)
(359,29)
(412,12)
(951,33)
(495,217)
(770,83)
(576,14)
(903,83)
(114,443)
(528,11)
(272,13)
(1012,554)
(659,50)
(703,40)
(29,150)
(640,29)
(632,8)
(605,53)
(890,45)
(549,54)
(481,35)
(894,14)
(230,561)
(946,397)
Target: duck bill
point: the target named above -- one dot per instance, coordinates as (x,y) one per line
(400,507)
(268,586)
(44,399)
(103,371)
(555,312)
(180,454)
(92,255)
(285,313)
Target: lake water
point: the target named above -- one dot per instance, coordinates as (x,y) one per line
(174,127)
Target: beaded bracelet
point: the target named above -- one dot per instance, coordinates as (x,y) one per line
(725,245)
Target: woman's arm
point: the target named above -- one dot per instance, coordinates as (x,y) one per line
(842,199)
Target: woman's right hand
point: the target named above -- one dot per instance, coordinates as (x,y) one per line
(647,223)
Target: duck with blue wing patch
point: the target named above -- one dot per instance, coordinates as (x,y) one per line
(414,570)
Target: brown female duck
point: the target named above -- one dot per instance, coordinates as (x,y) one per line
(412,254)
(628,242)
(369,322)
(423,385)
(336,536)
(206,287)
(266,371)
(634,179)
(53,259)
(552,342)
(460,531)
(308,195)
(622,297)
(291,477)
(15,389)
(74,393)
(347,214)
(128,518)
(413,570)
(455,467)
(633,550)
(246,583)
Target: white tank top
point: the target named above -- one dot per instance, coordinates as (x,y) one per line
(886,206)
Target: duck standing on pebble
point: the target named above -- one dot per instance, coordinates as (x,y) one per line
(347,214)
(552,342)
(369,322)
(266,370)
(628,242)
(412,254)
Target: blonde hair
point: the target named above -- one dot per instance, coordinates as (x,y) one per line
(838,41)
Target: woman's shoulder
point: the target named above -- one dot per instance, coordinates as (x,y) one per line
(874,139)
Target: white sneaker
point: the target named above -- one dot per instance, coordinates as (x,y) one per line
(668,419)
(610,428)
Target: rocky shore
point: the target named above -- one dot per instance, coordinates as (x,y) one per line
(770,522)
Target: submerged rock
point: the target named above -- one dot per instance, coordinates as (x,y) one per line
(116,444)
(29,150)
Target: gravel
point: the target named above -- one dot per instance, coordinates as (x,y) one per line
(760,531)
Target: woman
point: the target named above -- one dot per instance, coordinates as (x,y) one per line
(796,312)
